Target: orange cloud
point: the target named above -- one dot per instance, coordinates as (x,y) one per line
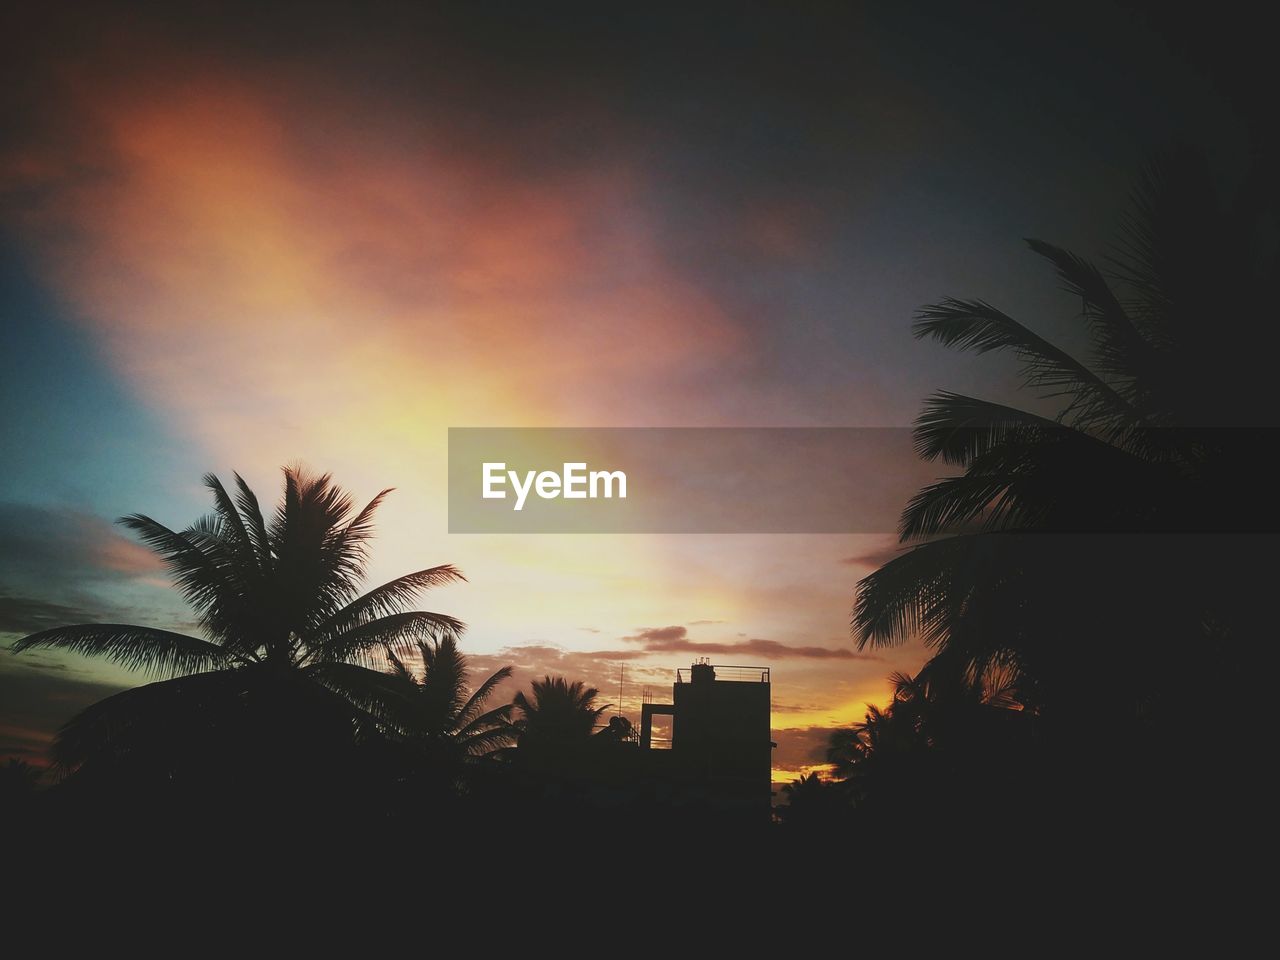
(676,639)
(246,249)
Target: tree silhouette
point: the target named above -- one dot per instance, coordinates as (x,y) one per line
(284,667)
(813,802)
(560,713)
(438,721)
(942,733)
(1112,453)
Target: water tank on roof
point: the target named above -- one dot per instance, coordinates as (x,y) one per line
(702,673)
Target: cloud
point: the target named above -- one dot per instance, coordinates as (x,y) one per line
(763,649)
(705,623)
(676,639)
(26,615)
(801,748)
(42,544)
(60,566)
(778,707)
(323,241)
(650,635)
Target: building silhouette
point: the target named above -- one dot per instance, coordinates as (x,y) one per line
(719,753)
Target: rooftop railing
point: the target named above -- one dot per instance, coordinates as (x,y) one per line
(725,672)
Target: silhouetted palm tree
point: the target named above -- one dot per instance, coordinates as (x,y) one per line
(1125,448)
(882,739)
(441,719)
(814,804)
(284,663)
(807,783)
(940,728)
(559,713)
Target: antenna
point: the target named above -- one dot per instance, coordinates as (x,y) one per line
(622,673)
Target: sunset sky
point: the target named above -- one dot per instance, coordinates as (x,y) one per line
(232,240)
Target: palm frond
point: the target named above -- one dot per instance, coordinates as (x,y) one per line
(914,593)
(956,502)
(390,631)
(255,523)
(389,598)
(443,687)
(315,575)
(475,703)
(958,428)
(977,325)
(202,578)
(157,652)
(398,667)
(489,742)
(234,523)
(1121,350)
(488,732)
(356,531)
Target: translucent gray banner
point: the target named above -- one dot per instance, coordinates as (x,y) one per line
(682,480)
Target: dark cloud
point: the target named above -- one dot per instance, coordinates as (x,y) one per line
(801,747)
(60,566)
(648,635)
(677,640)
(29,615)
(777,707)
(39,543)
(22,615)
(763,649)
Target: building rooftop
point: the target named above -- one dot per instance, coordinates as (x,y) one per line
(720,671)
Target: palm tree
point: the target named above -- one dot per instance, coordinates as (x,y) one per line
(808,783)
(882,739)
(1119,449)
(814,803)
(284,663)
(560,713)
(940,727)
(440,719)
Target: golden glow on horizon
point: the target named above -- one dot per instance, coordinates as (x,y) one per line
(783,775)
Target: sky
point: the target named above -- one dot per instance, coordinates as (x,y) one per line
(234,238)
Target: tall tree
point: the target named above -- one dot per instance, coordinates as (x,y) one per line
(943,733)
(440,723)
(283,668)
(1112,457)
(558,713)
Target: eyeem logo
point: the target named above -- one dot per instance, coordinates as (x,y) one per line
(573,483)
(696,480)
